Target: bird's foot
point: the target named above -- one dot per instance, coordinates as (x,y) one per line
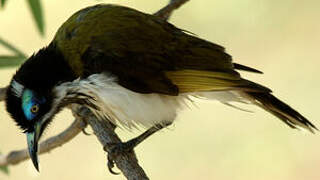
(84,131)
(115,149)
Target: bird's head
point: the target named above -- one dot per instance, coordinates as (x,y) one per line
(32,110)
(31,99)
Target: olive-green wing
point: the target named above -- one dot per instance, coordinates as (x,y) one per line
(200,80)
(145,53)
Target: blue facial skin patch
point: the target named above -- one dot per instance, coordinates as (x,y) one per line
(28,100)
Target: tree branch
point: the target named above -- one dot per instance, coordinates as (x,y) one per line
(3,93)
(166,11)
(104,130)
(16,157)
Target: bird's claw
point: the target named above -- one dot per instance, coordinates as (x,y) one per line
(111,165)
(85,132)
(114,150)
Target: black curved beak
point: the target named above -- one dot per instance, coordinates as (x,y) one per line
(32,139)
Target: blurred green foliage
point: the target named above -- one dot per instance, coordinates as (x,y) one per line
(4,169)
(36,9)
(18,56)
(3,3)
(11,60)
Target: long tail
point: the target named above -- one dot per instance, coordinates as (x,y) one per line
(283,111)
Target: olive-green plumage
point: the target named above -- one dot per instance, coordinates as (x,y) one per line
(121,31)
(156,53)
(149,55)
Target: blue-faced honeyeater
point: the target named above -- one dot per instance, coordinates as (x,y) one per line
(132,68)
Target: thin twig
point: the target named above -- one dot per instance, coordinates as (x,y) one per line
(3,93)
(16,157)
(166,11)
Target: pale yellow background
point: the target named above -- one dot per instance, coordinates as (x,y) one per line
(214,141)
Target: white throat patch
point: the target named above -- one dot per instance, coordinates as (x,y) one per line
(17,88)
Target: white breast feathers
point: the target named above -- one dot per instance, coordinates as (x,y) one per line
(130,109)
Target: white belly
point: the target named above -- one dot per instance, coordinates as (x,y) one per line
(130,109)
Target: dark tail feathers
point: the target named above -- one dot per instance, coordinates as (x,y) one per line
(283,111)
(246,68)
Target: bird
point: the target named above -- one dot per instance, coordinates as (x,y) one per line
(133,69)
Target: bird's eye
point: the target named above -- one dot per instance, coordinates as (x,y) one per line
(35,108)
(31,103)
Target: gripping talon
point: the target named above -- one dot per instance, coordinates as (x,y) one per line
(115,149)
(111,165)
(85,132)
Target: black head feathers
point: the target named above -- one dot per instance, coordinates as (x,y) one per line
(39,74)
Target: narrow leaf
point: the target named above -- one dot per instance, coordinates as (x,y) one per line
(9,46)
(2,3)
(11,61)
(37,13)
(4,169)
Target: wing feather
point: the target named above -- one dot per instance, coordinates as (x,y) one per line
(198,80)
(146,53)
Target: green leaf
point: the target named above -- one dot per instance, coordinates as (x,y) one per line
(36,10)
(11,61)
(5,169)
(9,46)
(2,3)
